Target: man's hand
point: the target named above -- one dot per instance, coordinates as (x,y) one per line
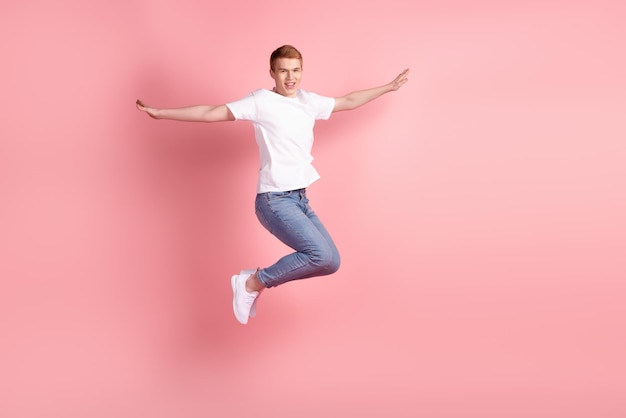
(400,80)
(150,111)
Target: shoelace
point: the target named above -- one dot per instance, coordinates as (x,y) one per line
(250,297)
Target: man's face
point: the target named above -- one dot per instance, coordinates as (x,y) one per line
(286,74)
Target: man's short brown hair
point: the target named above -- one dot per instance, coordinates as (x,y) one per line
(285,51)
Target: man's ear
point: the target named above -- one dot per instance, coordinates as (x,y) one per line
(271,73)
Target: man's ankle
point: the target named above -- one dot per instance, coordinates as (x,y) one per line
(253,284)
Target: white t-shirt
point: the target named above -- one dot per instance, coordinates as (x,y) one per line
(283,128)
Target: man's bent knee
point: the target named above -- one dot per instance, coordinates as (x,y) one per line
(326,262)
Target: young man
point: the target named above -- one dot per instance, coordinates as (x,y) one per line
(283,120)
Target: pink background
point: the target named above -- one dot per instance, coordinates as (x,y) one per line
(479,211)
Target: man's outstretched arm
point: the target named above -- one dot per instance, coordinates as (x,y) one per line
(359,98)
(200,113)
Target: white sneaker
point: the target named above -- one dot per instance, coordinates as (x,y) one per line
(253,307)
(242,299)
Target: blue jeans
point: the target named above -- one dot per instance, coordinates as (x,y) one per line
(288,216)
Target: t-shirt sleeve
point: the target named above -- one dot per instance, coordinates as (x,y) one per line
(244,108)
(323,105)
(327,107)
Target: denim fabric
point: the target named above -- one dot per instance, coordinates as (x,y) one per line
(288,216)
